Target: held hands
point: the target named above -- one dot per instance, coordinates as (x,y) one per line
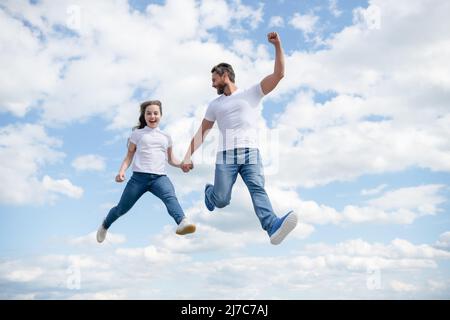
(186,165)
(273,38)
(120,177)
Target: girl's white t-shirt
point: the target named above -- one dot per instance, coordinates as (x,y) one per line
(237,116)
(151,150)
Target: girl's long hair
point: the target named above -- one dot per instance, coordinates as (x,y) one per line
(144,105)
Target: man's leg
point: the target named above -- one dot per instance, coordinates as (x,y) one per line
(253,176)
(219,194)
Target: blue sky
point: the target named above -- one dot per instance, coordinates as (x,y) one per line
(354,139)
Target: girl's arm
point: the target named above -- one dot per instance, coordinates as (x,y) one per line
(173,161)
(126,162)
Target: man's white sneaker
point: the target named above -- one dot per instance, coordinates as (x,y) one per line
(185,227)
(101,234)
(282,227)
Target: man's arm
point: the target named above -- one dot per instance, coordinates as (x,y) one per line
(196,142)
(270,82)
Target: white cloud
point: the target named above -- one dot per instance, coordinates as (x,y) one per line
(118,294)
(24,275)
(89,162)
(444,240)
(91,240)
(400,286)
(120,60)
(244,12)
(63,186)
(365,83)
(369,17)
(215,13)
(399,253)
(24,150)
(83,261)
(424,199)
(341,269)
(438,285)
(333,7)
(237,226)
(377,190)
(319,130)
(305,23)
(153,255)
(243,47)
(401,206)
(27,70)
(276,21)
(209,239)
(231,16)
(338,140)
(406,86)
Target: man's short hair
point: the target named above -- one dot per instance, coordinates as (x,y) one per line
(223,67)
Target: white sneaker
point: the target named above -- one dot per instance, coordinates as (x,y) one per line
(282,227)
(185,227)
(101,233)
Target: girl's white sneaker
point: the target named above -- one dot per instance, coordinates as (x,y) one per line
(101,234)
(185,227)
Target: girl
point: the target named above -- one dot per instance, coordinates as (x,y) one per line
(152,148)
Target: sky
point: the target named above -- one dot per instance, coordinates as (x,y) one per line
(355,140)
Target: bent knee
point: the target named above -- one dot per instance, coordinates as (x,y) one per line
(221,202)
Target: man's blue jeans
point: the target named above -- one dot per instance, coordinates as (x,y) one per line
(246,162)
(139,183)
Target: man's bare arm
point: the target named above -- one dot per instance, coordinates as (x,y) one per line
(271,81)
(196,142)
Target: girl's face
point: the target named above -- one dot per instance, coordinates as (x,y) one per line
(152,115)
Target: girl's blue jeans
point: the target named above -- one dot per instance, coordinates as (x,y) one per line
(139,183)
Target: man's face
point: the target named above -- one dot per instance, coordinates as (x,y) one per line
(218,82)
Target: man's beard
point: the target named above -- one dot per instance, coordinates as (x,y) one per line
(221,89)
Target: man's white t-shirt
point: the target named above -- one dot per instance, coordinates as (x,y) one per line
(237,116)
(151,150)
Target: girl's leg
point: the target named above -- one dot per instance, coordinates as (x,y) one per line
(135,188)
(163,188)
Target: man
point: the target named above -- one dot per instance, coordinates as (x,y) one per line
(235,111)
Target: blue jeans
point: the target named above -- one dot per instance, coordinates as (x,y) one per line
(140,183)
(247,162)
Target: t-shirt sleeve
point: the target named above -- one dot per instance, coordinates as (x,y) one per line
(169,141)
(210,115)
(134,137)
(255,95)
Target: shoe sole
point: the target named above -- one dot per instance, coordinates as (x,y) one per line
(188,229)
(286,227)
(99,240)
